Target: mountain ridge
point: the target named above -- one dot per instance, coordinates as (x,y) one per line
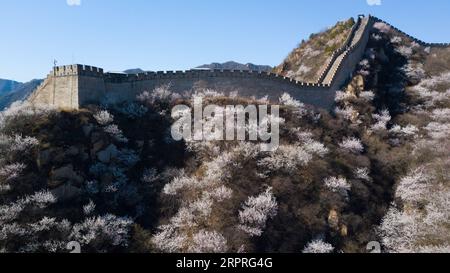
(232,65)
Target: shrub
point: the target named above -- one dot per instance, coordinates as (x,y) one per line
(12,171)
(342,96)
(115,132)
(367,96)
(104,118)
(382,27)
(382,119)
(132,110)
(161,95)
(363,174)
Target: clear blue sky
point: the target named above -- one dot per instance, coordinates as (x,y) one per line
(180,34)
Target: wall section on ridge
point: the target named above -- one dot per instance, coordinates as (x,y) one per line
(76,86)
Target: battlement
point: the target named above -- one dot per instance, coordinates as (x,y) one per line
(74,86)
(202,74)
(77,69)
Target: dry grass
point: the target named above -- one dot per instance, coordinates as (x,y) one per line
(306,62)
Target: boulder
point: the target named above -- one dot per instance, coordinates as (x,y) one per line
(43,158)
(66,192)
(96,136)
(356,86)
(58,155)
(344,231)
(107,178)
(87,129)
(97,147)
(73,151)
(109,153)
(140,143)
(84,156)
(66,174)
(55,183)
(333,220)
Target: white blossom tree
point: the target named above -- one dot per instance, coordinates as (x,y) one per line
(352,145)
(318,247)
(339,185)
(256,211)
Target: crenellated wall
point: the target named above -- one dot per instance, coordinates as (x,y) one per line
(75,86)
(353,55)
(246,83)
(345,59)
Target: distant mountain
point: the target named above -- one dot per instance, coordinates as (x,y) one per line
(7,86)
(21,92)
(134,71)
(236,66)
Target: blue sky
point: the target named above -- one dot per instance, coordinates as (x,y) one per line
(180,34)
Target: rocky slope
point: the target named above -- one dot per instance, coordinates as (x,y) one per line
(307,61)
(236,66)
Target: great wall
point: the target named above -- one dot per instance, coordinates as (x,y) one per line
(75,86)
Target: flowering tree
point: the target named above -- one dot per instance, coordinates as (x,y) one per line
(101,229)
(299,107)
(352,144)
(256,211)
(382,119)
(318,246)
(363,174)
(104,117)
(339,185)
(208,242)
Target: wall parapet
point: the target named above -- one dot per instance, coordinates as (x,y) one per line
(77,69)
(202,74)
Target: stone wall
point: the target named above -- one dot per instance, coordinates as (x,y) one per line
(353,55)
(75,86)
(245,83)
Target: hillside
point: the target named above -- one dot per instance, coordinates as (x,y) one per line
(307,61)
(374,168)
